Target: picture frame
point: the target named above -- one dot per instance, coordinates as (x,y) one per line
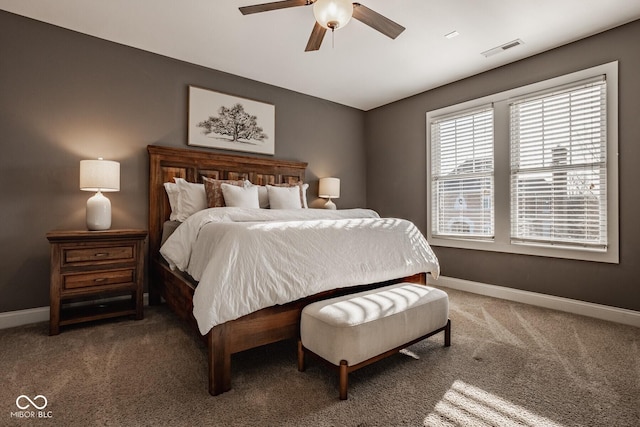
(228,122)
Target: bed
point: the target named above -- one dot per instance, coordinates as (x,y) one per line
(263,326)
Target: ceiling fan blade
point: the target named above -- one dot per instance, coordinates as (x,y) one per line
(315,40)
(265,7)
(376,21)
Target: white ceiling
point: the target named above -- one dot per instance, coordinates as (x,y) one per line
(364,69)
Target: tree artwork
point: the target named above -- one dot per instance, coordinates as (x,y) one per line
(235,123)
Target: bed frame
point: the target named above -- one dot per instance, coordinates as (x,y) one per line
(262,327)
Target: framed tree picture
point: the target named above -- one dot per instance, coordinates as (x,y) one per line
(218,120)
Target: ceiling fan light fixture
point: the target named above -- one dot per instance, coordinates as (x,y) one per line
(333,14)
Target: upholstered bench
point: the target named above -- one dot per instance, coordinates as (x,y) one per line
(355,330)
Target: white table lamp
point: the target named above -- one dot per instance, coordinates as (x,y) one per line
(100,176)
(329,188)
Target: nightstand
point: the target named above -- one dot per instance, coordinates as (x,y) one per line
(89,266)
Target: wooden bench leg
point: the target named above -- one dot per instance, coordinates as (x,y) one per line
(301,361)
(344,379)
(447,334)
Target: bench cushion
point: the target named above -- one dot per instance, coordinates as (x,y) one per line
(360,326)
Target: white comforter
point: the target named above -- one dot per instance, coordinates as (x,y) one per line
(249,259)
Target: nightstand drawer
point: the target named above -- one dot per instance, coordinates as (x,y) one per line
(107,279)
(78,256)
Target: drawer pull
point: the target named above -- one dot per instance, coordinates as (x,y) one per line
(101,254)
(100,280)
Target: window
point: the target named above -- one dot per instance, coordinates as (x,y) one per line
(532,170)
(462,174)
(558,167)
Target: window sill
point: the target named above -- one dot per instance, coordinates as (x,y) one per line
(556,251)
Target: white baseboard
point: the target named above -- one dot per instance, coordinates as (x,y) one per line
(11,319)
(599,311)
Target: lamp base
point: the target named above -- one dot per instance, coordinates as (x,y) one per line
(98,212)
(330,205)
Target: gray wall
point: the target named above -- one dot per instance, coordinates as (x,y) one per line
(66,97)
(396,172)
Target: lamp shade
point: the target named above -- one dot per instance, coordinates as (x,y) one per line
(99,175)
(329,188)
(333,14)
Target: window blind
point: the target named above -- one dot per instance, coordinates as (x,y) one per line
(559,167)
(462,174)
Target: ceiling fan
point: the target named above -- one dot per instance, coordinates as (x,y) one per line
(331,15)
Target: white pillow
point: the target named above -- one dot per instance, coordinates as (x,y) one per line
(303,190)
(240,197)
(284,197)
(263,196)
(172,193)
(191,199)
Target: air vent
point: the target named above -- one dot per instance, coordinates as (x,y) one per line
(496,50)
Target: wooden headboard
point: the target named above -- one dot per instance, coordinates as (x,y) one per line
(165,163)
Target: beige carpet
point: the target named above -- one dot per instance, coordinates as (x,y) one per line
(509,364)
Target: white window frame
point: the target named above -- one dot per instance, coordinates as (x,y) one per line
(502,203)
